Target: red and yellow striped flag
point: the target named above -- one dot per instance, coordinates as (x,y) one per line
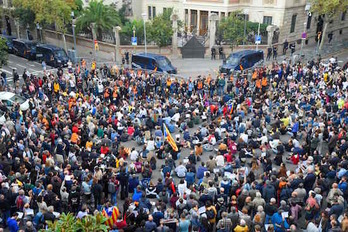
(155,70)
(169,138)
(111,220)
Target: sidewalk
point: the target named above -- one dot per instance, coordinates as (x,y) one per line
(309,52)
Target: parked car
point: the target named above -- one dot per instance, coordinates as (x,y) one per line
(9,41)
(241,60)
(153,62)
(10,99)
(52,55)
(25,48)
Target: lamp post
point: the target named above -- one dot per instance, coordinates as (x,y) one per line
(73,31)
(245,14)
(134,47)
(144,18)
(94,40)
(258,32)
(303,37)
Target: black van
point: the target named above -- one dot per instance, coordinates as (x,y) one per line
(52,55)
(153,61)
(25,48)
(241,60)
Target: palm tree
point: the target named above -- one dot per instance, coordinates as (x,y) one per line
(105,17)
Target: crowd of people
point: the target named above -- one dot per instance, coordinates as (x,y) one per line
(264,150)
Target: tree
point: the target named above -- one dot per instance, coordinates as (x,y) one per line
(25,15)
(50,12)
(3,52)
(329,10)
(105,17)
(231,29)
(127,31)
(160,30)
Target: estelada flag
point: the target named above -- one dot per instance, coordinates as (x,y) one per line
(111,216)
(241,67)
(155,70)
(169,138)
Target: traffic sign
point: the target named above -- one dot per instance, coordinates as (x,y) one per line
(257,39)
(134,41)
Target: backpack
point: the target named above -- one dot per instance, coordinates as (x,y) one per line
(210,214)
(111,187)
(20,203)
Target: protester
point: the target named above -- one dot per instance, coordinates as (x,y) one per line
(267,149)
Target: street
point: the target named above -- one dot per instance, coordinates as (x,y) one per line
(186,67)
(19,63)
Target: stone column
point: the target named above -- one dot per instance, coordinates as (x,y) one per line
(117,43)
(270,32)
(212,29)
(174,18)
(16,21)
(189,21)
(198,21)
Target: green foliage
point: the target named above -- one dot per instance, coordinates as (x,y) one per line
(92,224)
(253,27)
(231,29)
(105,17)
(25,15)
(68,223)
(122,14)
(49,11)
(3,52)
(160,30)
(78,8)
(127,31)
(328,8)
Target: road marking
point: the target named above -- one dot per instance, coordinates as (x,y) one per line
(12,67)
(22,66)
(31,65)
(10,62)
(4,70)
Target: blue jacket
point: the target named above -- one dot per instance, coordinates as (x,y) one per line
(12,225)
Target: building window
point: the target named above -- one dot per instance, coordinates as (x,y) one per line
(222,14)
(343,16)
(293,23)
(267,20)
(164,9)
(309,21)
(153,11)
(149,12)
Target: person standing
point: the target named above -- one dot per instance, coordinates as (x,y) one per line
(123,178)
(213,53)
(275,52)
(269,53)
(285,46)
(13,223)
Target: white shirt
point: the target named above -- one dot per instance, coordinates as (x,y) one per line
(312,227)
(220,161)
(182,189)
(150,145)
(181,171)
(134,155)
